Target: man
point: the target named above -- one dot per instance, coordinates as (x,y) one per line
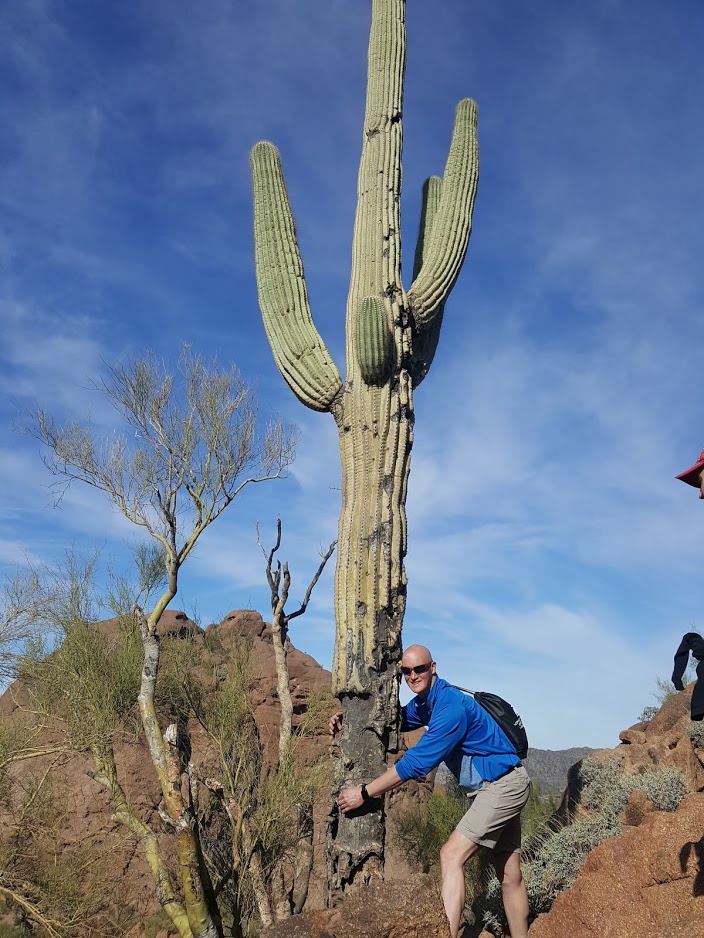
(473,746)
(692,641)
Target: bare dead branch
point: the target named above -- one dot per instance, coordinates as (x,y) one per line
(311,586)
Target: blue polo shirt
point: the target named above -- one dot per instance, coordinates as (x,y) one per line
(460,733)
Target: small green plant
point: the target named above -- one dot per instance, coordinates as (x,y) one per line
(695,731)
(424,828)
(664,689)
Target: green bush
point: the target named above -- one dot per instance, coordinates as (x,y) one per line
(91,680)
(695,731)
(537,811)
(424,828)
(664,689)
(554,858)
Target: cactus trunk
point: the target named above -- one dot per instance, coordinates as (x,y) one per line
(376,431)
(391,337)
(370,596)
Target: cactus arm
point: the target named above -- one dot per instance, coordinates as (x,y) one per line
(430,203)
(299,351)
(375,342)
(425,341)
(443,256)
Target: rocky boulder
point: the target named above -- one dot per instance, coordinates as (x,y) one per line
(648,882)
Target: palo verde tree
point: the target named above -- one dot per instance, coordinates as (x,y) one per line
(392,334)
(194,445)
(27,603)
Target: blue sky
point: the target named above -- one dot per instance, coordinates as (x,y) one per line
(552,556)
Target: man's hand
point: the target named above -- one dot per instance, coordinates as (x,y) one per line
(350,799)
(335,723)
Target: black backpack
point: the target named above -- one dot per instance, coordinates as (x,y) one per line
(504,714)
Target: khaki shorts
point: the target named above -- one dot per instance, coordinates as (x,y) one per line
(494,819)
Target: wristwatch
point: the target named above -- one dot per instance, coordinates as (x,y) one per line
(365,794)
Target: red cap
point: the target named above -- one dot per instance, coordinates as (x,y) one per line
(691,475)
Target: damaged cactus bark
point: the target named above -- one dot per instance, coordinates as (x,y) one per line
(391,338)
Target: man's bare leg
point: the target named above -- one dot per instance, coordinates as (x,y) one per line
(453,856)
(513,890)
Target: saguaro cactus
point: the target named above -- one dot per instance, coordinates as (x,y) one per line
(391,335)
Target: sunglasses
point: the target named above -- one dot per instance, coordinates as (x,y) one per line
(419,669)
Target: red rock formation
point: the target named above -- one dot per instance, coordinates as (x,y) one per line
(648,881)
(89,808)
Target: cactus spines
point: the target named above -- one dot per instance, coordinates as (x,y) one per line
(391,337)
(375,342)
(299,351)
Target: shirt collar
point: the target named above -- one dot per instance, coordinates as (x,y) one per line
(432,695)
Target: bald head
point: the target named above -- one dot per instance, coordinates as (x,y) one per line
(418,668)
(419,654)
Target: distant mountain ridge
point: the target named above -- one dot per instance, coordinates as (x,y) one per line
(550,766)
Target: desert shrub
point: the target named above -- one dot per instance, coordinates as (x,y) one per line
(273,799)
(664,689)
(665,787)
(212,641)
(538,810)
(424,828)
(75,885)
(554,858)
(695,731)
(91,680)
